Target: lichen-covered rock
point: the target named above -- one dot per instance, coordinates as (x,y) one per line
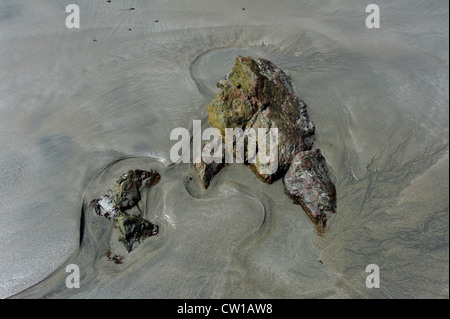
(256,94)
(308,183)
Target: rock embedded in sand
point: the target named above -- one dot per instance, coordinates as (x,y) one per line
(125,191)
(123,195)
(207,170)
(105,206)
(256,94)
(308,183)
(134,230)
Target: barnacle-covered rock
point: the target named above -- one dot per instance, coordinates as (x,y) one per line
(256,94)
(308,183)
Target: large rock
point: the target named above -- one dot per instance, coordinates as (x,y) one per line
(308,183)
(256,94)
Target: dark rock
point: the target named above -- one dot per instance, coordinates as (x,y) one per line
(134,230)
(122,196)
(308,183)
(207,171)
(125,192)
(116,259)
(105,206)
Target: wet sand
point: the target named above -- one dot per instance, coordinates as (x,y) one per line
(77,113)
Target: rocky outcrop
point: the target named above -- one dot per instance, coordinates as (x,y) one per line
(123,195)
(256,94)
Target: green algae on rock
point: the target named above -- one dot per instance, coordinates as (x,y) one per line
(123,195)
(256,94)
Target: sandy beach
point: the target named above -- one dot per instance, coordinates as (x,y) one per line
(80,106)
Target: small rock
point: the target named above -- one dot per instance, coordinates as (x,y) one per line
(256,94)
(105,206)
(122,196)
(125,192)
(134,230)
(207,171)
(116,259)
